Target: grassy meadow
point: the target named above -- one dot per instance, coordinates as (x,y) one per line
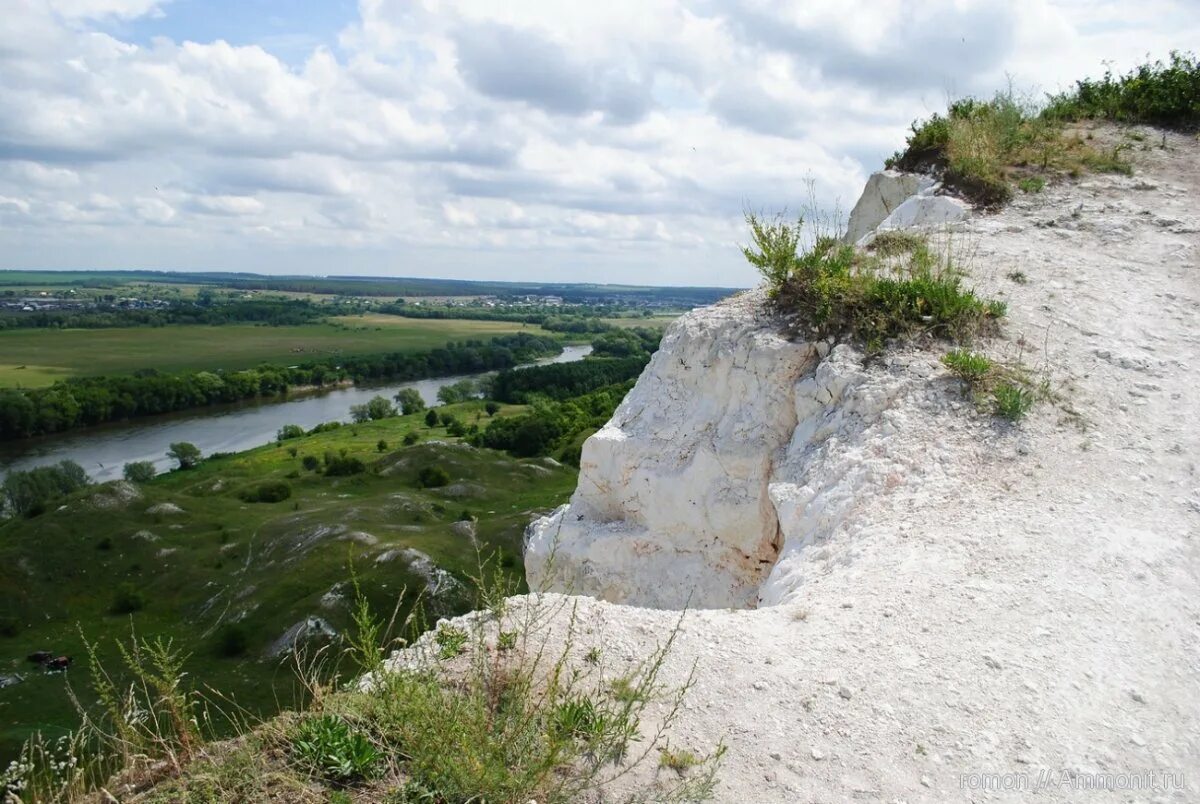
(225,578)
(36,357)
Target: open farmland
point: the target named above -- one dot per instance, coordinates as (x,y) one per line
(34,357)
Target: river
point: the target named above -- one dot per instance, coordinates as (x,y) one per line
(104,450)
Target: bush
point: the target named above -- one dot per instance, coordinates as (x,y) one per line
(139,471)
(186,454)
(379,407)
(127,599)
(460,391)
(979,146)
(29,492)
(456,429)
(232,640)
(381,445)
(432,477)
(271,492)
(289,431)
(1163,94)
(10,626)
(492,407)
(310,462)
(774,250)
(343,466)
(411,437)
(326,746)
(431,418)
(410,401)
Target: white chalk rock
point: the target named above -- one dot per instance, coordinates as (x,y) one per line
(735,452)
(672,504)
(926,210)
(885,191)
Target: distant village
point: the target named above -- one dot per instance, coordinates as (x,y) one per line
(44,301)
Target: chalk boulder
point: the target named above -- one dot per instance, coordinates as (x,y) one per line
(885,191)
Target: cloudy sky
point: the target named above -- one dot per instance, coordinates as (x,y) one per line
(614,141)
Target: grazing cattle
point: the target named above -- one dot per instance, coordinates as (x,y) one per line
(58,663)
(40,657)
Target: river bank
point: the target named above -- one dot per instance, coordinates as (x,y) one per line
(103,450)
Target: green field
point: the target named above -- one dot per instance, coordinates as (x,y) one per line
(659,320)
(36,357)
(265,566)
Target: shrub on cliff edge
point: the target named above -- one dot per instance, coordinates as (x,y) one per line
(835,290)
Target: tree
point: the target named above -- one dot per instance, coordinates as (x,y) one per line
(139,471)
(187,454)
(433,477)
(29,492)
(381,446)
(460,391)
(431,418)
(492,407)
(289,431)
(380,408)
(360,414)
(410,401)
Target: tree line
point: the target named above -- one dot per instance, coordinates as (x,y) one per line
(83,401)
(275,313)
(553,426)
(560,381)
(585,320)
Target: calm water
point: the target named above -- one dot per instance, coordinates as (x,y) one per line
(103,451)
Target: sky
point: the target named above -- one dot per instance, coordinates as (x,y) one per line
(617,141)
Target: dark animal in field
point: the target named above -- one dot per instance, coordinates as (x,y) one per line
(58,663)
(40,656)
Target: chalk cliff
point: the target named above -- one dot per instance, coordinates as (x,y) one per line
(738,448)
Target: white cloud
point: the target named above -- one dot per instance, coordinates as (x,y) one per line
(233,205)
(95,9)
(615,141)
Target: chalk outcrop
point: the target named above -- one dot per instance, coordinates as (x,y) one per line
(736,451)
(897,200)
(672,503)
(739,448)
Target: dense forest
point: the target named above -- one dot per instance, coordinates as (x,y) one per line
(85,401)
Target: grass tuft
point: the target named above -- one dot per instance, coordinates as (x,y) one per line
(1032,184)
(969,367)
(902,289)
(678,760)
(1012,401)
(1007,389)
